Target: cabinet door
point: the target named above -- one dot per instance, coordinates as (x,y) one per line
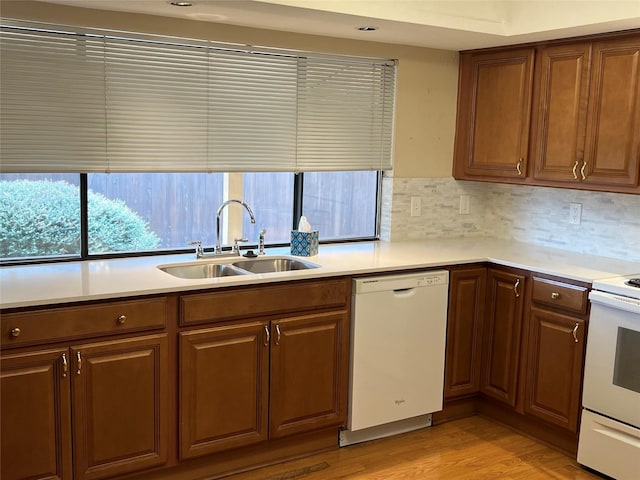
(494,105)
(467,289)
(612,153)
(120,402)
(560,117)
(502,333)
(36,421)
(224,375)
(309,370)
(554,373)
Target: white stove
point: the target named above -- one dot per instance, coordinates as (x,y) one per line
(610,428)
(627,285)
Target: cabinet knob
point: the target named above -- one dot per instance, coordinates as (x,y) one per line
(555,295)
(14,332)
(121,319)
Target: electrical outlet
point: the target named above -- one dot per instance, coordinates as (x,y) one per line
(575,213)
(464,204)
(416,206)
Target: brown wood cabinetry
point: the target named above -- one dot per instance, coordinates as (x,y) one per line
(556,352)
(585,115)
(36,416)
(494,102)
(502,335)
(560,116)
(224,388)
(309,356)
(120,406)
(275,370)
(612,153)
(114,393)
(467,288)
(533,346)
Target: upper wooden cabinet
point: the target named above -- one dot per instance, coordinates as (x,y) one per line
(494,102)
(584,103)
(613,124)
(560,116)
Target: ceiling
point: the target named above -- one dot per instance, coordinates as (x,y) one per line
(446,24)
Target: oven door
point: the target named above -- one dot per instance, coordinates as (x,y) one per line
(612,368)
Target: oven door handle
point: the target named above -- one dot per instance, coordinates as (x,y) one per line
(615,301)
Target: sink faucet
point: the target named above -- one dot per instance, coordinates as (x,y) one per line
(218,249)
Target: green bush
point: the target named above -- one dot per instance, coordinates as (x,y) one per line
(41,218)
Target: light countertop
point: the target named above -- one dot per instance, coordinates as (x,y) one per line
(55,283)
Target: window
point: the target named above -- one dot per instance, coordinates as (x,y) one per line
(151,211)
(40,214)
(341,205)
(182,125)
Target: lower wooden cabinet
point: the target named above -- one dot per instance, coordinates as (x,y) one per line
(36,416)
(465,319)
(113,393)
(555,360)
(529,371)
(257,368)
(309,356)
(224,388)
(244,383)
(554,374)
(120,406)
(502,335)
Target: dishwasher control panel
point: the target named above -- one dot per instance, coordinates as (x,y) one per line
(401,281)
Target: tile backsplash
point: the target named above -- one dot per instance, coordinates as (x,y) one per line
(610,223)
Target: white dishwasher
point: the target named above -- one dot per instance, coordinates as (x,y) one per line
(398,335)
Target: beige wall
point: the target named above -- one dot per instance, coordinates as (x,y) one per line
(426,88)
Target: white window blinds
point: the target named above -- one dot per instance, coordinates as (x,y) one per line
(87,101)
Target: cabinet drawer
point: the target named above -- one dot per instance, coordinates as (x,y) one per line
(560,295)
(251,302)
(63,323)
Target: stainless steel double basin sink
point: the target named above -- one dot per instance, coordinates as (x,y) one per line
(226,267)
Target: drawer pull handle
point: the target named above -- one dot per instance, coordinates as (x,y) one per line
(15,332)
(519,166)
(65,365)
(267,336)
(121,319)
(573,170)
(79,362)
(575,332)
(584,165)
(278,334)
(515,288)
(555,295)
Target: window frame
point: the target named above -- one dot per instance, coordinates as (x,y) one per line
(84,255)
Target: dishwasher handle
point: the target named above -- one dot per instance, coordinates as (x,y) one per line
(404,292)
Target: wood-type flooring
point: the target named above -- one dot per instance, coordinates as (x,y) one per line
(473,448)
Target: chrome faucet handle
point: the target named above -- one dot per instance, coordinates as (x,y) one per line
(263,232)
(199,250)
(236,244)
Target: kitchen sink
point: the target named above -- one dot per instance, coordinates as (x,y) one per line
(270,265)
(203,270)
(199,269)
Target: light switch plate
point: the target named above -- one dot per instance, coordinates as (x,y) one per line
(464,204)
(416,206)
(575,213)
